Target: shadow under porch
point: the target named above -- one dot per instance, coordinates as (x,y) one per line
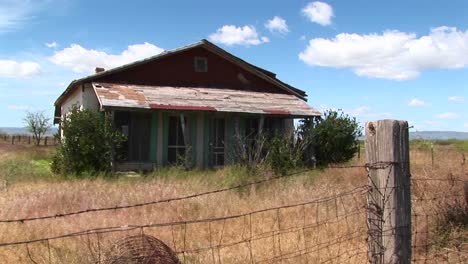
(200,139)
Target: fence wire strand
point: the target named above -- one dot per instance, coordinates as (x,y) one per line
(330,229)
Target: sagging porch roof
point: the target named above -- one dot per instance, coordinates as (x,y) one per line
(111,95)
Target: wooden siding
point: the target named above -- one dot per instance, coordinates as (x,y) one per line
(178,70)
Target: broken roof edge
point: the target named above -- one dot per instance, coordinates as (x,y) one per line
(151,103)
(208,109)
(265,74)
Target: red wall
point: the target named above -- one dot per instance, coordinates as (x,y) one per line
(177,70)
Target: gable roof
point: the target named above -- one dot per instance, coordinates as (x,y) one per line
(260,72)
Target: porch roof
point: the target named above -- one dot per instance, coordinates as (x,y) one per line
(111,95)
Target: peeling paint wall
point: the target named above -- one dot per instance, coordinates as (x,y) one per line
(74,99)
(83,96)
(90,100)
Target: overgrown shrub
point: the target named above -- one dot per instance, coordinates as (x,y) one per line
(285,154)
(249,151)
(334,137)
(88,138)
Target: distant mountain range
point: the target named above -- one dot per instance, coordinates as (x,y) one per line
(428,135)
(24,131)
(439,135)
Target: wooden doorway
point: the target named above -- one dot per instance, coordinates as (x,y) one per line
(217,141)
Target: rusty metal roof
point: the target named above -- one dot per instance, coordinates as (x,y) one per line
(201,99)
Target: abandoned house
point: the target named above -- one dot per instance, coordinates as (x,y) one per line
(190,102)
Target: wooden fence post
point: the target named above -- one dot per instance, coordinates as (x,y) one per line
(45,141)
(12,140)
(389,197)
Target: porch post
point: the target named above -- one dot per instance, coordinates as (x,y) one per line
(187,141)
(153,137)
(160,139)
(200,140)
(111,115)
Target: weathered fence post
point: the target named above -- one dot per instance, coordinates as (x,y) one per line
(389,198)
(12,140)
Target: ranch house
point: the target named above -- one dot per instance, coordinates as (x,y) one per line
(191,102)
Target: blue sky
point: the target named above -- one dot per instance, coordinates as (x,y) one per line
(373,59)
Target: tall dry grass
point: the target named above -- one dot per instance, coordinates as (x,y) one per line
(332,231)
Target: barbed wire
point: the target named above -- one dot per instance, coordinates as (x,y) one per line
(361,189)
(377,165)
(424,225)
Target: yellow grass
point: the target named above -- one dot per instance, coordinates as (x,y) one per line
(331,231)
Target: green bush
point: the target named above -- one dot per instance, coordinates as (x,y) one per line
(86,146)
(421,144)
(334,137)
(284,154)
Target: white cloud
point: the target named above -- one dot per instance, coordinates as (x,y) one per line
(457,98)
(465,125)
(232,35)
(18,107)
(15,13)
(277,24)
(417,102)
(14,69)
(391,55)
(366,112)
(319,12)
(360,111)
(51,44)
(80,59)
(447,115)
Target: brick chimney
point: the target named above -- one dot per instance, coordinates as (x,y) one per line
(99,69)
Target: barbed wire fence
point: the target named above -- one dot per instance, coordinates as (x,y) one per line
(354,226)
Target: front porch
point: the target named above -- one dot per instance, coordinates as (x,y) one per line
(202,139)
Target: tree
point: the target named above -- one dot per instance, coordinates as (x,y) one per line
(334,136)
(37,124)
(87,144)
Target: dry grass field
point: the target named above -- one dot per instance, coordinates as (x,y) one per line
(324,221)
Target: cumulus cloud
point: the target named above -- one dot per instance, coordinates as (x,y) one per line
(417,102)
(278,25)
(14,69)
(319,12)
(51,44)
(391,55)
(448,115)
(80,59)
(457,98)
(232,35)
(15,13)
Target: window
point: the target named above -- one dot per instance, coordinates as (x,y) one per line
(200,64)
(176,143)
